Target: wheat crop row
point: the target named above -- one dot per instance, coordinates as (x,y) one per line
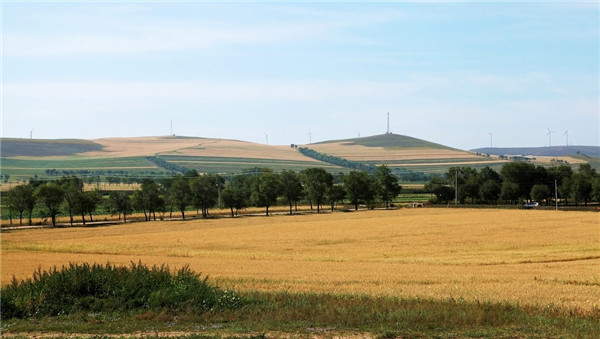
(525,257)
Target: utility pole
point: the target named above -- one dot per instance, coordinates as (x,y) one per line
(556,193)
(456,189)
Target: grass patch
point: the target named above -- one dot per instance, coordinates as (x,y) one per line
(84,299)
(110,289)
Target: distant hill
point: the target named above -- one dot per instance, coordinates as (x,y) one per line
(388,141)
(13,147)
(165,155)
(554,151)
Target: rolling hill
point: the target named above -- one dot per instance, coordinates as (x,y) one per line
(160,156)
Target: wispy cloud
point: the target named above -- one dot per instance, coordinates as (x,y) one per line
(119,32)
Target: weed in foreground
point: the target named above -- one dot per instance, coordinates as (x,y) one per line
(108,288)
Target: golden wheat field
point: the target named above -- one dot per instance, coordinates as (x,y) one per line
(520,256)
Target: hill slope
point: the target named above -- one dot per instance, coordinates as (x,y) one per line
(388,141)
(12,147)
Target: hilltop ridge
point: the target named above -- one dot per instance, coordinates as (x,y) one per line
(389,141)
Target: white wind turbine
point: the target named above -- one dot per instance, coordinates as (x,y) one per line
(550,137)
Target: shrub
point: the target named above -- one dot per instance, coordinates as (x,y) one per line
(108,288)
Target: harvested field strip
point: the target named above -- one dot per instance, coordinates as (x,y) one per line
(516,255)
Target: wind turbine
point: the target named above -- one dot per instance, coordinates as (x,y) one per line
(31,134)
(550,137)
(267,137)
(309,138)
(491,135)
(567,134)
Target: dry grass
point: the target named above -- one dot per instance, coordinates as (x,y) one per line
(142,146)
(525,257)
(241,149)
(203,147)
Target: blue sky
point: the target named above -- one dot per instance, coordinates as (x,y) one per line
(447,72)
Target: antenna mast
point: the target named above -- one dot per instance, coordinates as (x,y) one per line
(388,123)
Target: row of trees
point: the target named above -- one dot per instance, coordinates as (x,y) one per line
(517,182)
(202,192)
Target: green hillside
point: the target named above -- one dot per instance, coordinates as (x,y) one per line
(12,147)
(389,141)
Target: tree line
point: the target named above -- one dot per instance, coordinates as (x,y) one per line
(517,182)
(179,193)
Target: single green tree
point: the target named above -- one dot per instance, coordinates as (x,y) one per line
(51,195)
(440,188)
(181,194)
(86,203)
(235,195)
(359,187)
(205,192)
(22,200)
(490,191)
(73,190)
(335,194)
(264,191)
(540,193)
(316,182)
(119,202)
(387,186)
(290,187)
(510,192)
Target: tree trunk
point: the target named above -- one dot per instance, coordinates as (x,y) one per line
(91,219)
(267,210)
(291,208)
(231,208)
(20,218)
(53,215)
(83,218)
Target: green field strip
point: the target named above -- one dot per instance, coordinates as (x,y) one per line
(434,161)
(79,163)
